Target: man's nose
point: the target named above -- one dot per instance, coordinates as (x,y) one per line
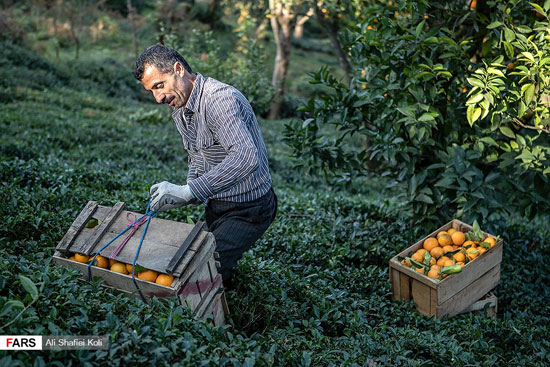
(159,96)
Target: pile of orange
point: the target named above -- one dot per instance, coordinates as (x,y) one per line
(448,248)
(122,268)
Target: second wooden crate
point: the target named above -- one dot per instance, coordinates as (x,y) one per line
(452,295)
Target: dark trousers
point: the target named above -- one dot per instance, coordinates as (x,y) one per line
(237,226)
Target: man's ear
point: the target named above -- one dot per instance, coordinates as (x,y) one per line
(179,69)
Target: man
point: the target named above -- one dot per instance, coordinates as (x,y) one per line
(228,167)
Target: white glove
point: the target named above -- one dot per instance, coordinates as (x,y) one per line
(165,196)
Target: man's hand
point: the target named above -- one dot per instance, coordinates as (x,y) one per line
(165,196)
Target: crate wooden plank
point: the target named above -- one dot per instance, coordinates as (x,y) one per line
(215,310)
(194,289)
(77,226)
(161,243)
(469,295)
(184,247)
(101,230)
(404,287)
(209,294)
(421,295)
(395,285)
(433,301)
(470,272)
(117,280)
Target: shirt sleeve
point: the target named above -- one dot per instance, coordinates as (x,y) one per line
(192,169)
(225,120)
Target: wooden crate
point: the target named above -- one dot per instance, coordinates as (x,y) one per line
(196,283)
(451,295)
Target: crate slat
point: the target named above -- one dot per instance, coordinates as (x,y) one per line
(102,229)
(77,226)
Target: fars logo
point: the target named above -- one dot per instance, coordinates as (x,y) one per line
(20,342)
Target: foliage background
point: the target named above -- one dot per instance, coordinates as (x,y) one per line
(313,292)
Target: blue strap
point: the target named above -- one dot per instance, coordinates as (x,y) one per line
(150,214)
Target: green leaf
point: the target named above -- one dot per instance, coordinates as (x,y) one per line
(475,99)
(190,220)
(424,198)
(529,93)
(29,286)
(476,114)
(509,35)
(475,82)
(509,49)
(494,25)
(538,8)
(490,141)
(495,72)
(528,55)
(507,132)
(470,114)
(426,117)
(419,27)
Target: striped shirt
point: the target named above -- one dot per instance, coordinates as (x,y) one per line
(226,152)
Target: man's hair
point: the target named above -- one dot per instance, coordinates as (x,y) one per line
(161,57)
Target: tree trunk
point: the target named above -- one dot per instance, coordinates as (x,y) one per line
(332,32)
(131,14)
(342,57)
(281,31)
(300,23)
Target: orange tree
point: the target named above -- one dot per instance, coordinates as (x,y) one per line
(451,100)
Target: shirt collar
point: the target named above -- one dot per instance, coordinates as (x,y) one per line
(194,98)
(193,102)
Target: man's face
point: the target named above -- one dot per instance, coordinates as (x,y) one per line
(172,89)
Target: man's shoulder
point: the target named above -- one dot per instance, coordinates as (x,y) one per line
(214,86)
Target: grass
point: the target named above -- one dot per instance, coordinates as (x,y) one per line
(314,291)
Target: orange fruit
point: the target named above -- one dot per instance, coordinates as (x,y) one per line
(442,233)
(491,241)
(510,66)
(420,270)
(458,238)
(167,279)
(435,267)
(129,268)
(472,253)
(459,257)
(482,250)
(430,243)
(473,4)
(461,263)
(417,257)
(468,243)
(421,252)
(111,262)
(81,258)
(102,262)
(433,273)
(450,231)
(72,258)
(448,248)
(432,261)
(148,275)
(436,252)
(444,240)
(442,260)
(448,262)
(119,268)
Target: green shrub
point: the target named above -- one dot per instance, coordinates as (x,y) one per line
(414,61)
